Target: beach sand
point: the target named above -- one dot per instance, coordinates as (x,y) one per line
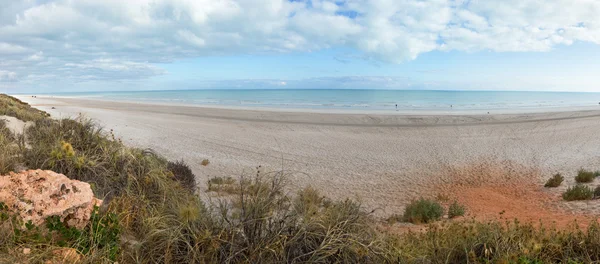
(385,160)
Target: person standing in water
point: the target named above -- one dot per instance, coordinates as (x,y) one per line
(396,107)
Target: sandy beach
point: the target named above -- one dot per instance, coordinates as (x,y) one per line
(383,159)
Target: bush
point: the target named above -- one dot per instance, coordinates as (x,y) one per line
(597,192)
(423,211)
(183,174)
(584,176)
(455,210)
(555,181)
(578,192)
(205,162)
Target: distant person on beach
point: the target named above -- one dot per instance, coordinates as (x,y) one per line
(396,107)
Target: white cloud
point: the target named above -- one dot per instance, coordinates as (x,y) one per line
(6,76)
(103,39)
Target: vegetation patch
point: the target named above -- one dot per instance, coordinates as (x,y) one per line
(14,107)
(183,174)
(423,211)
(578,192)
(555,181)
(205,162)
(9,150)
(455,210)
(223,185)
(584,176)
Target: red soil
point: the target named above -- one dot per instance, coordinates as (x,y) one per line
(525,202)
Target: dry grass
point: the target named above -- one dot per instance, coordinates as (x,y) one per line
(9,150)
(555,181)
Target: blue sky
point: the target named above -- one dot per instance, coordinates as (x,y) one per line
(95,45)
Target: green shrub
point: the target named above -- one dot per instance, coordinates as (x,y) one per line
(596,173)
(455,209)
(183,174)
(423,211)
(584,176)
(555,181)
(578,192)
(597,192)
(101,233)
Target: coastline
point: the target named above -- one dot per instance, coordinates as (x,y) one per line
(401,112)
(384,160)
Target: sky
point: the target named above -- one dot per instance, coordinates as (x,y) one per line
(112,45)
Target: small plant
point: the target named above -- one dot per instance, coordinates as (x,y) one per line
(205,162)
(101,233)
(183,174)
(456,210)
(222,184)
(423,211)
(555,181)
(578,192)
(584,176)
(596,173)
(442,198)
(597,192)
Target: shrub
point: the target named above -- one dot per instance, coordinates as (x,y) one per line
(455,209)
(183,174)
(597,192)
(205,162)
(578,192)
(584,176)
(555,181)
(596,173)
(423,211)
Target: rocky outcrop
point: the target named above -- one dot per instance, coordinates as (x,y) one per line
(36,195)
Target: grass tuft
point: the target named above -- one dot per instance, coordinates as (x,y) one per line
(455,210)
(555,181)
(423,211)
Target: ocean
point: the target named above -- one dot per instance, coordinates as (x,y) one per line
(356,99)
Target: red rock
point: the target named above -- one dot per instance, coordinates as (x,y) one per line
(36,195)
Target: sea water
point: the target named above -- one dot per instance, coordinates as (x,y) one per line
(367,99)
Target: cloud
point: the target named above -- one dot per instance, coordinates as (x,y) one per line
(6,76)
(87,40)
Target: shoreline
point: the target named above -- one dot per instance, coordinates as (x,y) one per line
(384,160)
(401,112)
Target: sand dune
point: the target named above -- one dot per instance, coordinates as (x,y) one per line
(383,159)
